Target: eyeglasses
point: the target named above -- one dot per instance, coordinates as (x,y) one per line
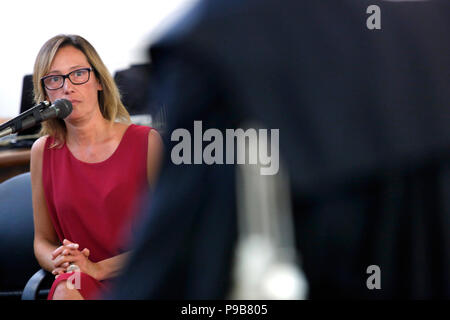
(79,76)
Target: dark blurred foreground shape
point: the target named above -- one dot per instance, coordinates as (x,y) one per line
(17,260)
(364,119)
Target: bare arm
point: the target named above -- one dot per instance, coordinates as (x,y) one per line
(112,267)
(154,156)
(69,253)
(45,237)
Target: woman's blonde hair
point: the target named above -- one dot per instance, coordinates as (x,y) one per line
(110,104)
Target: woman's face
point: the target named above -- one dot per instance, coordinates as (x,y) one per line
(84,97)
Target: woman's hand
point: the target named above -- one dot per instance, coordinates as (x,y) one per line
(68,254)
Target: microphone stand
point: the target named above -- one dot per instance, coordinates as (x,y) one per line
(15,124)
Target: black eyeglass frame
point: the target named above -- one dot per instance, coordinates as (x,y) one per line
(67,76)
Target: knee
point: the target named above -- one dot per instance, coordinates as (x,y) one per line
(63,292)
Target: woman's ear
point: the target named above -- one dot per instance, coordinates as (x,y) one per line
(99,84)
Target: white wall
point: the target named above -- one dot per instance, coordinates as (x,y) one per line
(119,30)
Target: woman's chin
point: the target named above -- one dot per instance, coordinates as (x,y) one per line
(73,118)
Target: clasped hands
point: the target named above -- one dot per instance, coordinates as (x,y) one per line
(68,254)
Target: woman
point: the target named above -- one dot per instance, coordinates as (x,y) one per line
(87,171)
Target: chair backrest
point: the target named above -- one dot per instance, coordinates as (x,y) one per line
(134,85)
(17,260)
(26,102)
(137,87)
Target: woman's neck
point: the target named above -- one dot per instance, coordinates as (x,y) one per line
(90,132)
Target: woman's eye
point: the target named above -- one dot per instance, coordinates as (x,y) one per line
(55,79)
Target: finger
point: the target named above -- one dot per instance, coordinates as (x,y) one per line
(66,244)
(73,246)
(57,252)
(58,271)
(63,260)
(86,252)
(70,244)
(62,264)
(70,251)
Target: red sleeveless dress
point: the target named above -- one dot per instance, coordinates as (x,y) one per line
(95,204)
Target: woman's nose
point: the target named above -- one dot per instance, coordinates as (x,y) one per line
(67,86)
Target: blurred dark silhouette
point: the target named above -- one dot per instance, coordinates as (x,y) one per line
(364,119)
(136,87)
(134,84)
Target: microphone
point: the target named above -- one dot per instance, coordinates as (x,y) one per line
(60,109)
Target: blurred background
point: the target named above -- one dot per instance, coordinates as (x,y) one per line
(120,31)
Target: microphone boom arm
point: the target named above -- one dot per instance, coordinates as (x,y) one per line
(5,128)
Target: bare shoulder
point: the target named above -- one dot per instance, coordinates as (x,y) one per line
(36,159)
(154,140)
(154,156)
(39,145)
(154,136)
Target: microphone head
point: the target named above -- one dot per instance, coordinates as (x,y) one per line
(64,108)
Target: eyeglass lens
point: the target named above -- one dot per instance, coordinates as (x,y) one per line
(76,77)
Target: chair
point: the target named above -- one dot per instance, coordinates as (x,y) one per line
(134,84)
(137,87)
(38,286)
(17,260)
(26,102)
